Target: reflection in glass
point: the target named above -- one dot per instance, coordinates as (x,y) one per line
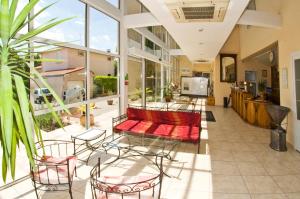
(65,72)
(71,31)
(135,81)
(153,82)
(104,72)
(104,32)
(228,68)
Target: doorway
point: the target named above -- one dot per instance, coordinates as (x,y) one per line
(296,98)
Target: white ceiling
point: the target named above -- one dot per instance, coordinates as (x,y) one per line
(198,45)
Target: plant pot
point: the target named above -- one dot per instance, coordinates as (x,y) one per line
(168,98)
(110,102)
(126,82)
(83,119)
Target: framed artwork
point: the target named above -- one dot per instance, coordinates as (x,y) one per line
(264,73)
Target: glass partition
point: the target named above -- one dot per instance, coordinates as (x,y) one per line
(135,81)
(153,82)
(72,31)
(104,32)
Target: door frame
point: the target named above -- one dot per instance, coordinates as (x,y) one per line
(296,122)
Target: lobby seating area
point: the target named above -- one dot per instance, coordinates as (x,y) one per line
(149,99)
(235,161)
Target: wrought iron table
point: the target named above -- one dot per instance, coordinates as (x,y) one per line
(146,147)
(91,139)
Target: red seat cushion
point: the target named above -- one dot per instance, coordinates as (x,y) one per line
(120,184)
(54,170)
(186,133)
(126,125)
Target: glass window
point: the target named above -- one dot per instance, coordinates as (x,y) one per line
(65,73)
(153,82)
(132,7)
(104,32)
(104,72)
(135,81)
(71,31)
(134,39)
(114,3)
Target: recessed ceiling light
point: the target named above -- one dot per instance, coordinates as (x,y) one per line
(200,29)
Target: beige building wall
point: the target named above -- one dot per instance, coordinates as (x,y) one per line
(254,39)
(102,64)
(231,46)
(66,58)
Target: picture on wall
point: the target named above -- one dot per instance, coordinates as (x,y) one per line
(264,73)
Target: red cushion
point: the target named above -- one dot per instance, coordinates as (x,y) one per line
(180,118)
(126,125)
(163,130)
(186,133)
(144,127)
(142,114)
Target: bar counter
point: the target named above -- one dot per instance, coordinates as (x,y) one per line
(252,111)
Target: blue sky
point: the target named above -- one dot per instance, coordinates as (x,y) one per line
(103,30)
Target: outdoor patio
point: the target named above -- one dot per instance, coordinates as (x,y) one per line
(231,164)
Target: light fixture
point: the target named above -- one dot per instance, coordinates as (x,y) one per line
(201,29)
(201,43)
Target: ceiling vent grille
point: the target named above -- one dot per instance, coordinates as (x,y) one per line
(199,12)
(185,11)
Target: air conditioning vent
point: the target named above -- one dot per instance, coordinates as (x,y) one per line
(202,61)
(199,12)
(185,11)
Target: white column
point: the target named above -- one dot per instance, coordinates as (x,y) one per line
(123,62)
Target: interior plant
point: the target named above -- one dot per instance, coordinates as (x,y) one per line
(261,88)
(168,93)
(17,121)
(83,114)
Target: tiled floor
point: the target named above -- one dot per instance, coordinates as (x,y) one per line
(235,162)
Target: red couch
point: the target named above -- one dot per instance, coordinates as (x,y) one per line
(180,126)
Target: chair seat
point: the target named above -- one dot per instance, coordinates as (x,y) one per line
(55,170)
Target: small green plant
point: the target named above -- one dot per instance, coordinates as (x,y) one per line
(47,122)
(261,86)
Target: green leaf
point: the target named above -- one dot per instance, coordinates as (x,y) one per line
(4,22)
(12,10)
(24,105)
(22,131)
(4,166)
(39,30)
(6,108)
(20,19)
(13,152)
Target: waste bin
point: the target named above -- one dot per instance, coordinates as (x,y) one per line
(225,102)
(278,139)
(278,133)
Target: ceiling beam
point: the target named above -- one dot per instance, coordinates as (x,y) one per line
(261,19)
(140,20)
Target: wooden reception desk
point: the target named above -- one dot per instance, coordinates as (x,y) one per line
(252,111)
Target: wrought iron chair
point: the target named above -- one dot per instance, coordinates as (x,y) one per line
(55,166)
(114,187)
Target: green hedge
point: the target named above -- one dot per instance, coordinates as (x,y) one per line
(106,83)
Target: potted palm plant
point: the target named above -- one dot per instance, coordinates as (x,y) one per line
(262,89)
(16,111)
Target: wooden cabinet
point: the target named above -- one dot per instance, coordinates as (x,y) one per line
(211,101)
(252,111)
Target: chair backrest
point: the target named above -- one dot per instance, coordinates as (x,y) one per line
(120,185)
(54,163)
